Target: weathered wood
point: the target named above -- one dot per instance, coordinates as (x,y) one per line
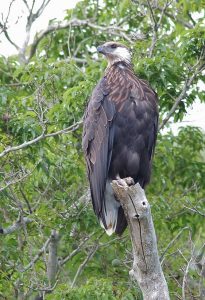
(52,263)
(146,266)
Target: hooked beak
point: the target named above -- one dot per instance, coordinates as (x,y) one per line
(101,49)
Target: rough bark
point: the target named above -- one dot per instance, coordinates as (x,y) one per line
(146,266)
(52,264)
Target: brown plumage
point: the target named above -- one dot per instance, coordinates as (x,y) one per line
(120,129)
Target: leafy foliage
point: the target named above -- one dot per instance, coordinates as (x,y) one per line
(45,181)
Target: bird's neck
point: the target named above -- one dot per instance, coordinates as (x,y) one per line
(115,59)
(120,64)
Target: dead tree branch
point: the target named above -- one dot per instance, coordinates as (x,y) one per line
(16,226)
(52,263)
(146,266)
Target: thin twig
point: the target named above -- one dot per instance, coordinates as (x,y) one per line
(174,17)
(37,256)
(82,266)
(67,258)
(195,210)
(184,282)
(21,178)
(156,25)
(25,2)
(41,137)
(200,67)
(171,243)
(3,26)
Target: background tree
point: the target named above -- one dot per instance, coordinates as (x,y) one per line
(51,243)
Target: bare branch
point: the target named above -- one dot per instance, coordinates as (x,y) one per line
(200,66)
(195,210)
(174,17)
(75,59)
(37,256)
(177,19)
(26,200)
(48,289)
(152,14)
(172,242)
(146,266)
(156,25)
(41,137)
(42,7)
(3,26)
(30,20)
(4,30)
(82,266)
(16,226)
(33,3)
(24,174)
(17,84)
(26,3)
(114,30)
(184,283)
(52,264)
(67,258)
(199,261)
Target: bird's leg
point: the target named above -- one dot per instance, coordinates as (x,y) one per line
(128,181)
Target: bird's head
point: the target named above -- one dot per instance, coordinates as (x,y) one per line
(115,52)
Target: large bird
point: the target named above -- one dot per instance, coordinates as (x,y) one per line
(119,134)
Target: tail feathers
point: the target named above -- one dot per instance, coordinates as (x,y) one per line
(109,230)
(121,222)
(113,216)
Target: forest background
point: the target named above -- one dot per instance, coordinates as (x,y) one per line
(52,246)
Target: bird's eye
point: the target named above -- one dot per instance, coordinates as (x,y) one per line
(113,46)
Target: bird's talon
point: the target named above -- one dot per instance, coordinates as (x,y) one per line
(129,181)
(122,182)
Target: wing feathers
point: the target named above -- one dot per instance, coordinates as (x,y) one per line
(97,144)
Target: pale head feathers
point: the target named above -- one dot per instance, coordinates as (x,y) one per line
(115,52)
